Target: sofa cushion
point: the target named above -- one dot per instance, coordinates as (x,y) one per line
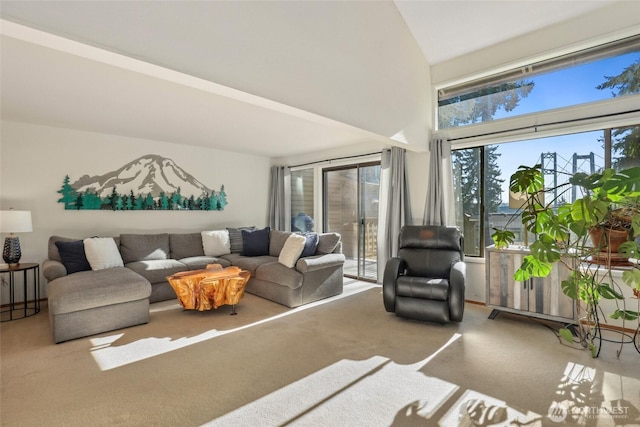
(184,245)
(73,256)
(201,262)
(102,253)
(144,247)
(90,289)
(255,242)
(292,250)
(235,238)
(310,244)
(216,242)
(156,271)
(276,241)
(327,243)
(249,263)
(280,274)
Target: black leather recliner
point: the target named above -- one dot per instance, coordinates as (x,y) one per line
(426,280)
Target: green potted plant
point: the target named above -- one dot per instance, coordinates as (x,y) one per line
(609,201)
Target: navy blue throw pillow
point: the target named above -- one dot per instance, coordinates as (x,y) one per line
(255,242)
(310,245)
(73,256)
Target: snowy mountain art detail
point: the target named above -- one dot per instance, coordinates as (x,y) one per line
(150,182)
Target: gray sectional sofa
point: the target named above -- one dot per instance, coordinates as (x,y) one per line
(88,302)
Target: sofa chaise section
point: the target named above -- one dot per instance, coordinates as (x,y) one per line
(90,302)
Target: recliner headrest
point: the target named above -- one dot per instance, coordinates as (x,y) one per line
(430,237)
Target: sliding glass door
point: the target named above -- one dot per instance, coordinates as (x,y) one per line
(351,209)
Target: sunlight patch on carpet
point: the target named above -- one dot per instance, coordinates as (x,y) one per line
(108,355)
(372,392)
(477,409)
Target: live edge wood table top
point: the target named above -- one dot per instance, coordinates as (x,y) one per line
(209,288)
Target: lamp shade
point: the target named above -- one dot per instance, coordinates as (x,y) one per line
(15,221)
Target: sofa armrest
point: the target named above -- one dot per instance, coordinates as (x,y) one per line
(52,269)
(318,262)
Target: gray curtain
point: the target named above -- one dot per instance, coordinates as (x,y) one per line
(439,208)
(394,209)
(277,199)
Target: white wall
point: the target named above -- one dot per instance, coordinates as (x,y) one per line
(35,159)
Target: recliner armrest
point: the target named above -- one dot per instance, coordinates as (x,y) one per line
(457,280)
(393,269)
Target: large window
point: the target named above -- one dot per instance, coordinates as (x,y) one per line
(598,73)
(481,175)
(577,112)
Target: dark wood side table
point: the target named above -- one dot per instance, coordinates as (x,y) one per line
(28,309)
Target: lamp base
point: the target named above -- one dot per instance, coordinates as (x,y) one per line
(11,252)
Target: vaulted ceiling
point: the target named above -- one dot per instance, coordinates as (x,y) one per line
(269,78)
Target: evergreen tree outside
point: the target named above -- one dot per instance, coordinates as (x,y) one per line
(467,180)
(625,140)
(493,180)
(481,105)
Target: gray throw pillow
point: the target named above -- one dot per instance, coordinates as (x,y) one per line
(235,238)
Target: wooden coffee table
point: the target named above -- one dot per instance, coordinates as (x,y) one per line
(210,288)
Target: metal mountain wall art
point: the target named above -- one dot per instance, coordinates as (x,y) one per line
(150,182)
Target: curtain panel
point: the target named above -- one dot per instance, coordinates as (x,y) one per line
(394,208)
(278,203)
(439,205)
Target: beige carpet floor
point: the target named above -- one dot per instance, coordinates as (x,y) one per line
(343,362)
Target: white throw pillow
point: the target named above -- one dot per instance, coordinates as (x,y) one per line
(216,243)
(102,253)
(292,249)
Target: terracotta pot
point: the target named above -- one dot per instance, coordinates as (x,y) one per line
(607,241)
(612,241)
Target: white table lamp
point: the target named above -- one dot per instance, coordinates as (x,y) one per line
(14,222)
